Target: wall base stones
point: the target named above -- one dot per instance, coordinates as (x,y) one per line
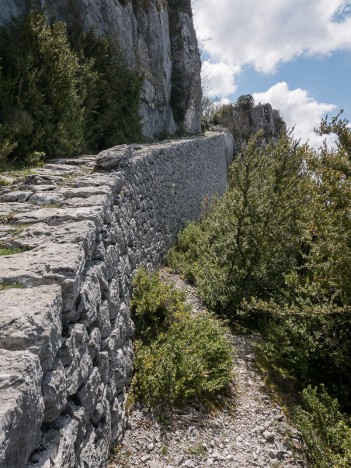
(65,328)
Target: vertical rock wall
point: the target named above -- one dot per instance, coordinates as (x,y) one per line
(65,329)
(155,36)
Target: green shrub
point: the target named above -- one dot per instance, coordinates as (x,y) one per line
(155,305)
(61,92)
(308,342)
(326,431)
(178,357)
(113,98)
(184,255)
(193,359)
(42,106)
(245,103)
(251,239)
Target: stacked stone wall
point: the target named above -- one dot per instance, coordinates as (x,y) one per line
(84,226)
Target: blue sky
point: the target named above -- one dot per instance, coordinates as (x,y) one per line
(295,54)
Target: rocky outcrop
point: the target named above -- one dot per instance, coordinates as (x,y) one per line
(243,122)
(260,118)
(81,227)
(154,36)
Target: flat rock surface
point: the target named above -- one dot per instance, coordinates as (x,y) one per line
(21,406)
(31,319)
(250,429)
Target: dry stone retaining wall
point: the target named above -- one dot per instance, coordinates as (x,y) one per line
(66,337)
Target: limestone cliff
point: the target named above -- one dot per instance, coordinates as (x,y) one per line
(244,122)
(260,118)
(155,36)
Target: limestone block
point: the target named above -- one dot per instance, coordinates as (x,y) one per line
(75,356)
(8,209)
(52,263)
(55,216)
(104,320)
(113,298)
(87,394)
(124,329)
(42,179)
(103,200)
(120,366)
(15,196)
(124,273)
(94,449)
(113,181)
(67,233)
(102,409)
(79,414)
(103,366)
(54,391)
(112,254)
(21,406)
(118,419)
(99,252)
(90,297)
(46,198)
(31,319)
(94,344)
(57,448)
(84,192)
(114,158)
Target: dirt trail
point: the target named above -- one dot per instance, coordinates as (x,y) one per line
(250,430)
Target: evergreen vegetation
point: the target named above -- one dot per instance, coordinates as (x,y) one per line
(274,255)
(178,358)
(61,94)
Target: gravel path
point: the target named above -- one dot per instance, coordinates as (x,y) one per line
(250,430)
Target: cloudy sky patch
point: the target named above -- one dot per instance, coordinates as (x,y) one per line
(259,39)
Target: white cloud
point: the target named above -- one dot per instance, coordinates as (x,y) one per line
(266,33)
(298,109)
(218,79)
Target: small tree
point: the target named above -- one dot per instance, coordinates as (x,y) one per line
(42,104)
(245,103)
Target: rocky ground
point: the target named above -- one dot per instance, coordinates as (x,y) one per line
(250,429)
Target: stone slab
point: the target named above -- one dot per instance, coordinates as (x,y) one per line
(31,319)
(61,264)
(21,406)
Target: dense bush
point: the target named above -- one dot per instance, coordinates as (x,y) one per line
(281,232)
(192,359)
(326,431)
(63,93)
(251,238)
(178,357)
(41,105)
(309,342)
(112,103)
(155,305)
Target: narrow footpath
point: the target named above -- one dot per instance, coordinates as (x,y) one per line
(250,429)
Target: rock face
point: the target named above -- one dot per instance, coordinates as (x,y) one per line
(261,118)
(243,123)
(156,37)
(66,336)
(264,117)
